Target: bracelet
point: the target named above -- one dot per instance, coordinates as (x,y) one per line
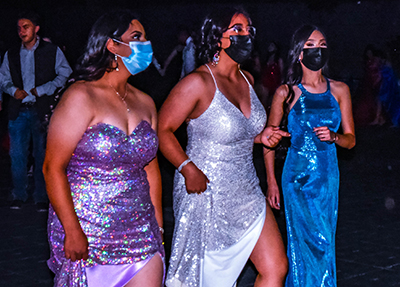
(183,164)
(161,229)
(335,138)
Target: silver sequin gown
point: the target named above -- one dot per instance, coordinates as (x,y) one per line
(220,143)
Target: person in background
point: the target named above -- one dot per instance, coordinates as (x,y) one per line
(30,74)
(271,74)
(315,106)
(188,54)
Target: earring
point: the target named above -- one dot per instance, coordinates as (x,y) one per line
(116,62)
(215,60)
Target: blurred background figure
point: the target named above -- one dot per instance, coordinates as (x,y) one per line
(388,102)
(271,74)
(367,107)
(31,73)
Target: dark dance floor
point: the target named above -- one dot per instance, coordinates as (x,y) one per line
(368,234)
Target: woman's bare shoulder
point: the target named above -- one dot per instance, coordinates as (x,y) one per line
(195,84)
(78,92)
(338,85)
(339,89)
(282,91)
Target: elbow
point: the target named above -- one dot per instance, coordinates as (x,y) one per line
(50,169)
(352,142)
(46,169)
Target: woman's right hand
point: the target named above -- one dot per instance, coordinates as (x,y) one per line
(195,180)
(76,245)
(273,196)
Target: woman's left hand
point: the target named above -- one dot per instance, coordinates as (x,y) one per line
(324,134)
(271,136)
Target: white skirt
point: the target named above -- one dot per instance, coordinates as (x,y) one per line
(222,268)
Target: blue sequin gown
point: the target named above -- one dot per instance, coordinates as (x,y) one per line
(310,183)
(111,197)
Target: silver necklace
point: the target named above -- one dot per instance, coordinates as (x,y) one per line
(122,98)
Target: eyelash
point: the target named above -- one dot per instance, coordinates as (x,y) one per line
(311,44)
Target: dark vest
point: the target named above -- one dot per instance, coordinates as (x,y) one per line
(45,61)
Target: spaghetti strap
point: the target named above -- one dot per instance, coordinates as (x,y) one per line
(212,75)
(245,77)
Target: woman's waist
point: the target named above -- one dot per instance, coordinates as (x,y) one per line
(99,218)
(311,144)
(115,195)
(221,152)
(104,173)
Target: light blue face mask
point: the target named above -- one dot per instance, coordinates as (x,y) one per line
(140,58)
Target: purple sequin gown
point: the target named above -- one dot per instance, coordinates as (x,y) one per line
(111,196)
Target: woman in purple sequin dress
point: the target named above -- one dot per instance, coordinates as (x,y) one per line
(101,170)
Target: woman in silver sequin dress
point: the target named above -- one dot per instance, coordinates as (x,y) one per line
(101,172)
(221,215)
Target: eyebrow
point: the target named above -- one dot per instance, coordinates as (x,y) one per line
(136,32)
(315,40)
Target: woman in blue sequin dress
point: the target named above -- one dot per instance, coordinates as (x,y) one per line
(221,215)
(101,172)
(315,107)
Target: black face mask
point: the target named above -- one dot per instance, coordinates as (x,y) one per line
(240,48)
(315,58)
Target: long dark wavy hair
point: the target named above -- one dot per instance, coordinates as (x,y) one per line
(97,60)
(294,70)
(211,32)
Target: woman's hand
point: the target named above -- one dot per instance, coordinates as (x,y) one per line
(195,180)
(324,134)
(271,136)
(76,245)
(273,196)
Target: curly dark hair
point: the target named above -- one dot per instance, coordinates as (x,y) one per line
(295,71)
(211,32)
(96,59)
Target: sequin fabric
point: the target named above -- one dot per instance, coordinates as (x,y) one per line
(220,143)
(310,184)
(111,196)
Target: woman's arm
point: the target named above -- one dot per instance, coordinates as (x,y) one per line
(153,174)
(274,120)
(348,138)
(154,178)
(185,101)
(70,120)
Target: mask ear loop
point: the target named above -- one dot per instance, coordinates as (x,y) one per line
(116,62)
